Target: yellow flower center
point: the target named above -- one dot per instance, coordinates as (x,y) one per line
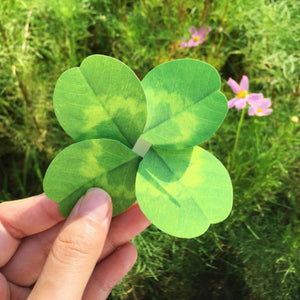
(259,110)
(196,38)
(295,119)
(242,94)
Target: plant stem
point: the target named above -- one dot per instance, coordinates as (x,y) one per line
(239,130)
(231,156)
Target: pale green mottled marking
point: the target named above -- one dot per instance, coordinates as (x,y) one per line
(103,163)
(101,99)
(185,106)
(182,192)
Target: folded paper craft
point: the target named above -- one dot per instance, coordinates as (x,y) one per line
(138,140)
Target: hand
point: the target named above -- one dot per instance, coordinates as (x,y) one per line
(43,256)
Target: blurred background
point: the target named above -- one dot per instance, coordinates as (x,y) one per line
(255,253)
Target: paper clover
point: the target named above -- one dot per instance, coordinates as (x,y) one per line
(115,118)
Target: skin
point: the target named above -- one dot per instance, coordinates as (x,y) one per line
(44,256)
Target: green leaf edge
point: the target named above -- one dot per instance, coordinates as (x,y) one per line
(65,126)
(187,235)
(217,92)
(66,211)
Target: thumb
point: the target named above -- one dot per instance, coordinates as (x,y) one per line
(76,249)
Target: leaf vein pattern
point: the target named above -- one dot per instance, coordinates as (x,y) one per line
(87,183)
(181,112)
(178,180)
(108,112)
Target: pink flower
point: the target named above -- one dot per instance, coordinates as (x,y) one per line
(260,107)
(197,37)
(241,91)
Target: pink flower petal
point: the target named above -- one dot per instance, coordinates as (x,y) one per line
(268,111)
(192,43)
(266,102)
(183,45)
(262,103)
(251,111)
(192,30)
(240,104)
(201,41)
(201,33)
(254,97)
(258,111)
(244,84)
(234,85)
(231,102)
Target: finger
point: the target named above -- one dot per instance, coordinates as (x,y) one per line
(76,249)
(4,289)
(109,272)
(10,291)
(24,217)
(27,263)
(124,228)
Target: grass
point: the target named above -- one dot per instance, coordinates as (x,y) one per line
(255,253)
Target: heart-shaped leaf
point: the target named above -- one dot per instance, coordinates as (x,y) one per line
(102,98)
(185,106)
(92,163)
(183,191)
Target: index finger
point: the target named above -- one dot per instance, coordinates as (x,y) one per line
(21,218)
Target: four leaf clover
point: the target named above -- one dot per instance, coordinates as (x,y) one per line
(109,112)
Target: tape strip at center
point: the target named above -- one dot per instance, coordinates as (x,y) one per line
(141,147)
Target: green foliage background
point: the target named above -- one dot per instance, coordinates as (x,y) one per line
(255,253)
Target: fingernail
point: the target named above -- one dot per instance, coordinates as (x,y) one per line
(95,204)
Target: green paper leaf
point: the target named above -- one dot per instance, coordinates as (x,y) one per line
(182,192)
(185,106)
(102,104)
(102,98)
(102,163)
